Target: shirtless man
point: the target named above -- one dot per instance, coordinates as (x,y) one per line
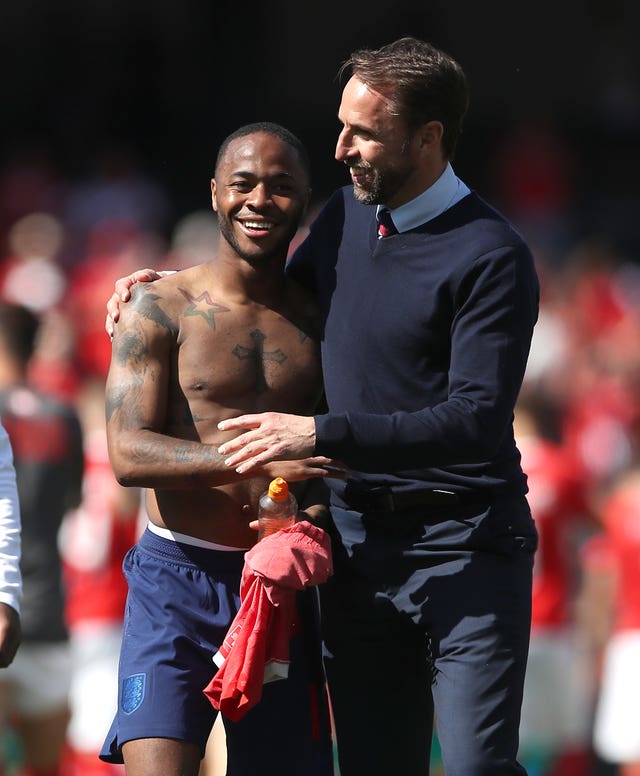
(227,337)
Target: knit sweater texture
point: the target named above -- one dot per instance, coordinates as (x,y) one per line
(425,341)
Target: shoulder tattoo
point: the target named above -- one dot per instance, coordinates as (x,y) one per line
(146,305)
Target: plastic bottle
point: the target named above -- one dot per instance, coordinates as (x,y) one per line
(277,508)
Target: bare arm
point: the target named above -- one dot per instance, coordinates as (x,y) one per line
(314,503)
(136,401)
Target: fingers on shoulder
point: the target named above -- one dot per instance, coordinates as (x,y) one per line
(151,308)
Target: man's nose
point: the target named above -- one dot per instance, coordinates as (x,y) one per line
(260,195)
(343,147)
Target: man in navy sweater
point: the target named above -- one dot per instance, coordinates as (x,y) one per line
(427,328)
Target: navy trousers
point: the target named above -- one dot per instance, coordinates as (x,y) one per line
(429,614)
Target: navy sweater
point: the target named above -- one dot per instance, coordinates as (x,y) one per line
(425,342)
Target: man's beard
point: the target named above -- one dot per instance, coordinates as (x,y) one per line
(382,186)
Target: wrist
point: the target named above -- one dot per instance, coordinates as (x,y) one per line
(318,514)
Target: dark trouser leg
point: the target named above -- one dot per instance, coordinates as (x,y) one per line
(480,660)
(410,588)
(379,687)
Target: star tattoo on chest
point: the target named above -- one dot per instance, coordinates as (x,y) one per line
(204,306)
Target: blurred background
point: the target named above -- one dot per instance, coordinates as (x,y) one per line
(150,88)
(112,112)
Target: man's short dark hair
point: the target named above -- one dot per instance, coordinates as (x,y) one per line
(269,128)
(421,83)
(18,330)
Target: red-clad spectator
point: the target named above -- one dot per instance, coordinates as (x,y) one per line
(616,729)
(555,725)
(31,275)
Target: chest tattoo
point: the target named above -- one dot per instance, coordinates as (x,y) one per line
(204,306)
(259,355)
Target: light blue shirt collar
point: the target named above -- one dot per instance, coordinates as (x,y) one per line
(440,196)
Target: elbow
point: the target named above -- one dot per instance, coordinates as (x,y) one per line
(127,481)
(123,465)
(125,475)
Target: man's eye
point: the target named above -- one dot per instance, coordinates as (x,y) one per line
(240,186)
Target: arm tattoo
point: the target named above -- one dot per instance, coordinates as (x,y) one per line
(112,404)
(145,452)
(124,400)
(146,306)
(130,348)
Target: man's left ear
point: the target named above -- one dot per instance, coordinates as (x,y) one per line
(431,134)
(214,197)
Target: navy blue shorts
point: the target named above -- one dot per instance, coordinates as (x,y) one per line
(181,602)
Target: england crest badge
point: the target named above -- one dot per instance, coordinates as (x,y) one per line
(133,688)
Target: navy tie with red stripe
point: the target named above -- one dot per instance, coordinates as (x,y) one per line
(386,227)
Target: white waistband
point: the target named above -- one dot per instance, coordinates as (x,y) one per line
(174,536)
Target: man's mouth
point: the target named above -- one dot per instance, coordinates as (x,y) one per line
(358,175)
(257,226)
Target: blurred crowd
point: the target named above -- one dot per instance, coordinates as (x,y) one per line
(577,424)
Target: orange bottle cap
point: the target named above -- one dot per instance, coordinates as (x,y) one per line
(278,489)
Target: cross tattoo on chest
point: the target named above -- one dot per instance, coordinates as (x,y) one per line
(259,355)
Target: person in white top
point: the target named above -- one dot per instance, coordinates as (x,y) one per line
(10,577)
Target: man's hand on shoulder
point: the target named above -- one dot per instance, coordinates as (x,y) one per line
(122,293)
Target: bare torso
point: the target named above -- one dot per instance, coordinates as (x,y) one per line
(229,356)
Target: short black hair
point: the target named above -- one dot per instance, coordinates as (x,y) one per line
(18,329)
(269,128)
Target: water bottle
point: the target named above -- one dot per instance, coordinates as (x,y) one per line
(277,508)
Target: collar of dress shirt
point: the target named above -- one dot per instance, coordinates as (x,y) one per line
(440,196)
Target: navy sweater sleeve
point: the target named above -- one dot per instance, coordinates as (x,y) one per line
(425,344)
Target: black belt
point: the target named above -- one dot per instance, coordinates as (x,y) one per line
(386,500)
